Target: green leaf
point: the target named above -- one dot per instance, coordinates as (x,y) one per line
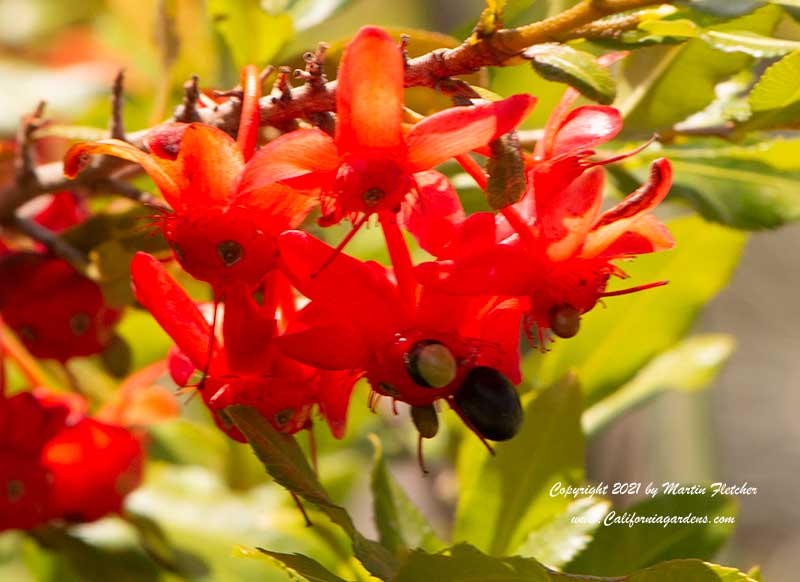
(664,85)
(284,460)
(680,28)
(563,64)
(69,555)
(725,7)
(294,564)
(746,194)
(559,540)
(691,365)
(252,34)
(308,13)
(464,563)
(744,41)
(619,548)
(117,357)
(155,542)
(615,341)
(689,571)
(505,497)
(779,86)
(400,524)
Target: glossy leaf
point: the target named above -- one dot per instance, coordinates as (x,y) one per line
(618,548)
(504,498)
(294,564)
(284,460)
(742,193)
(252,34)
(464,563)
(308,13)
(779,86)
(664,85)
(563,64)
(559,540)
(689,366)
(615,341)
(400,524)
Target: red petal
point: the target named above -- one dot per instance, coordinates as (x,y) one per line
(320,341)
(369,93)
(294,154)
(645,235)
(501,326)
(571,214)
(210,162)
(345,287)
(165,174)
(585,128)
(503,270)
(459,130)
(94,466)
(279,204)
(335,389)
(435,212)
(172,308)
(247,331)
(615,221)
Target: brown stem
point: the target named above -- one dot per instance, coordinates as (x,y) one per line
(434,69)
(52,241)
(117,127)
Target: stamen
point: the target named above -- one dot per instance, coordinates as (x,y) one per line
(627,154)
(470,426)
(634,289)
(420,457)
(210,352)
(340,247)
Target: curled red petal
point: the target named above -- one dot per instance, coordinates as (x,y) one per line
(458,130)
(165,174)
(369,93)
(615,221)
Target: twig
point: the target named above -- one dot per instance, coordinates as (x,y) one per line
(188,112)
(117,126)
(428,70)
(130,191)
(24,162)
(52,241)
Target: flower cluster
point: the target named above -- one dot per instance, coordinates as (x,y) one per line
(58,463)
(56,311)
(444,330)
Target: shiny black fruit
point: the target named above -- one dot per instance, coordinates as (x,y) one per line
(490,403)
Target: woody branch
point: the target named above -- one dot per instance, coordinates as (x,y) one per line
(433,69)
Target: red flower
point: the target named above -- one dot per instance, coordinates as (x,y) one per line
(57,463)
(222,228)
(93,466)
(555,246)
(416,353)
(57,312)
(370,165)
(246,368)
